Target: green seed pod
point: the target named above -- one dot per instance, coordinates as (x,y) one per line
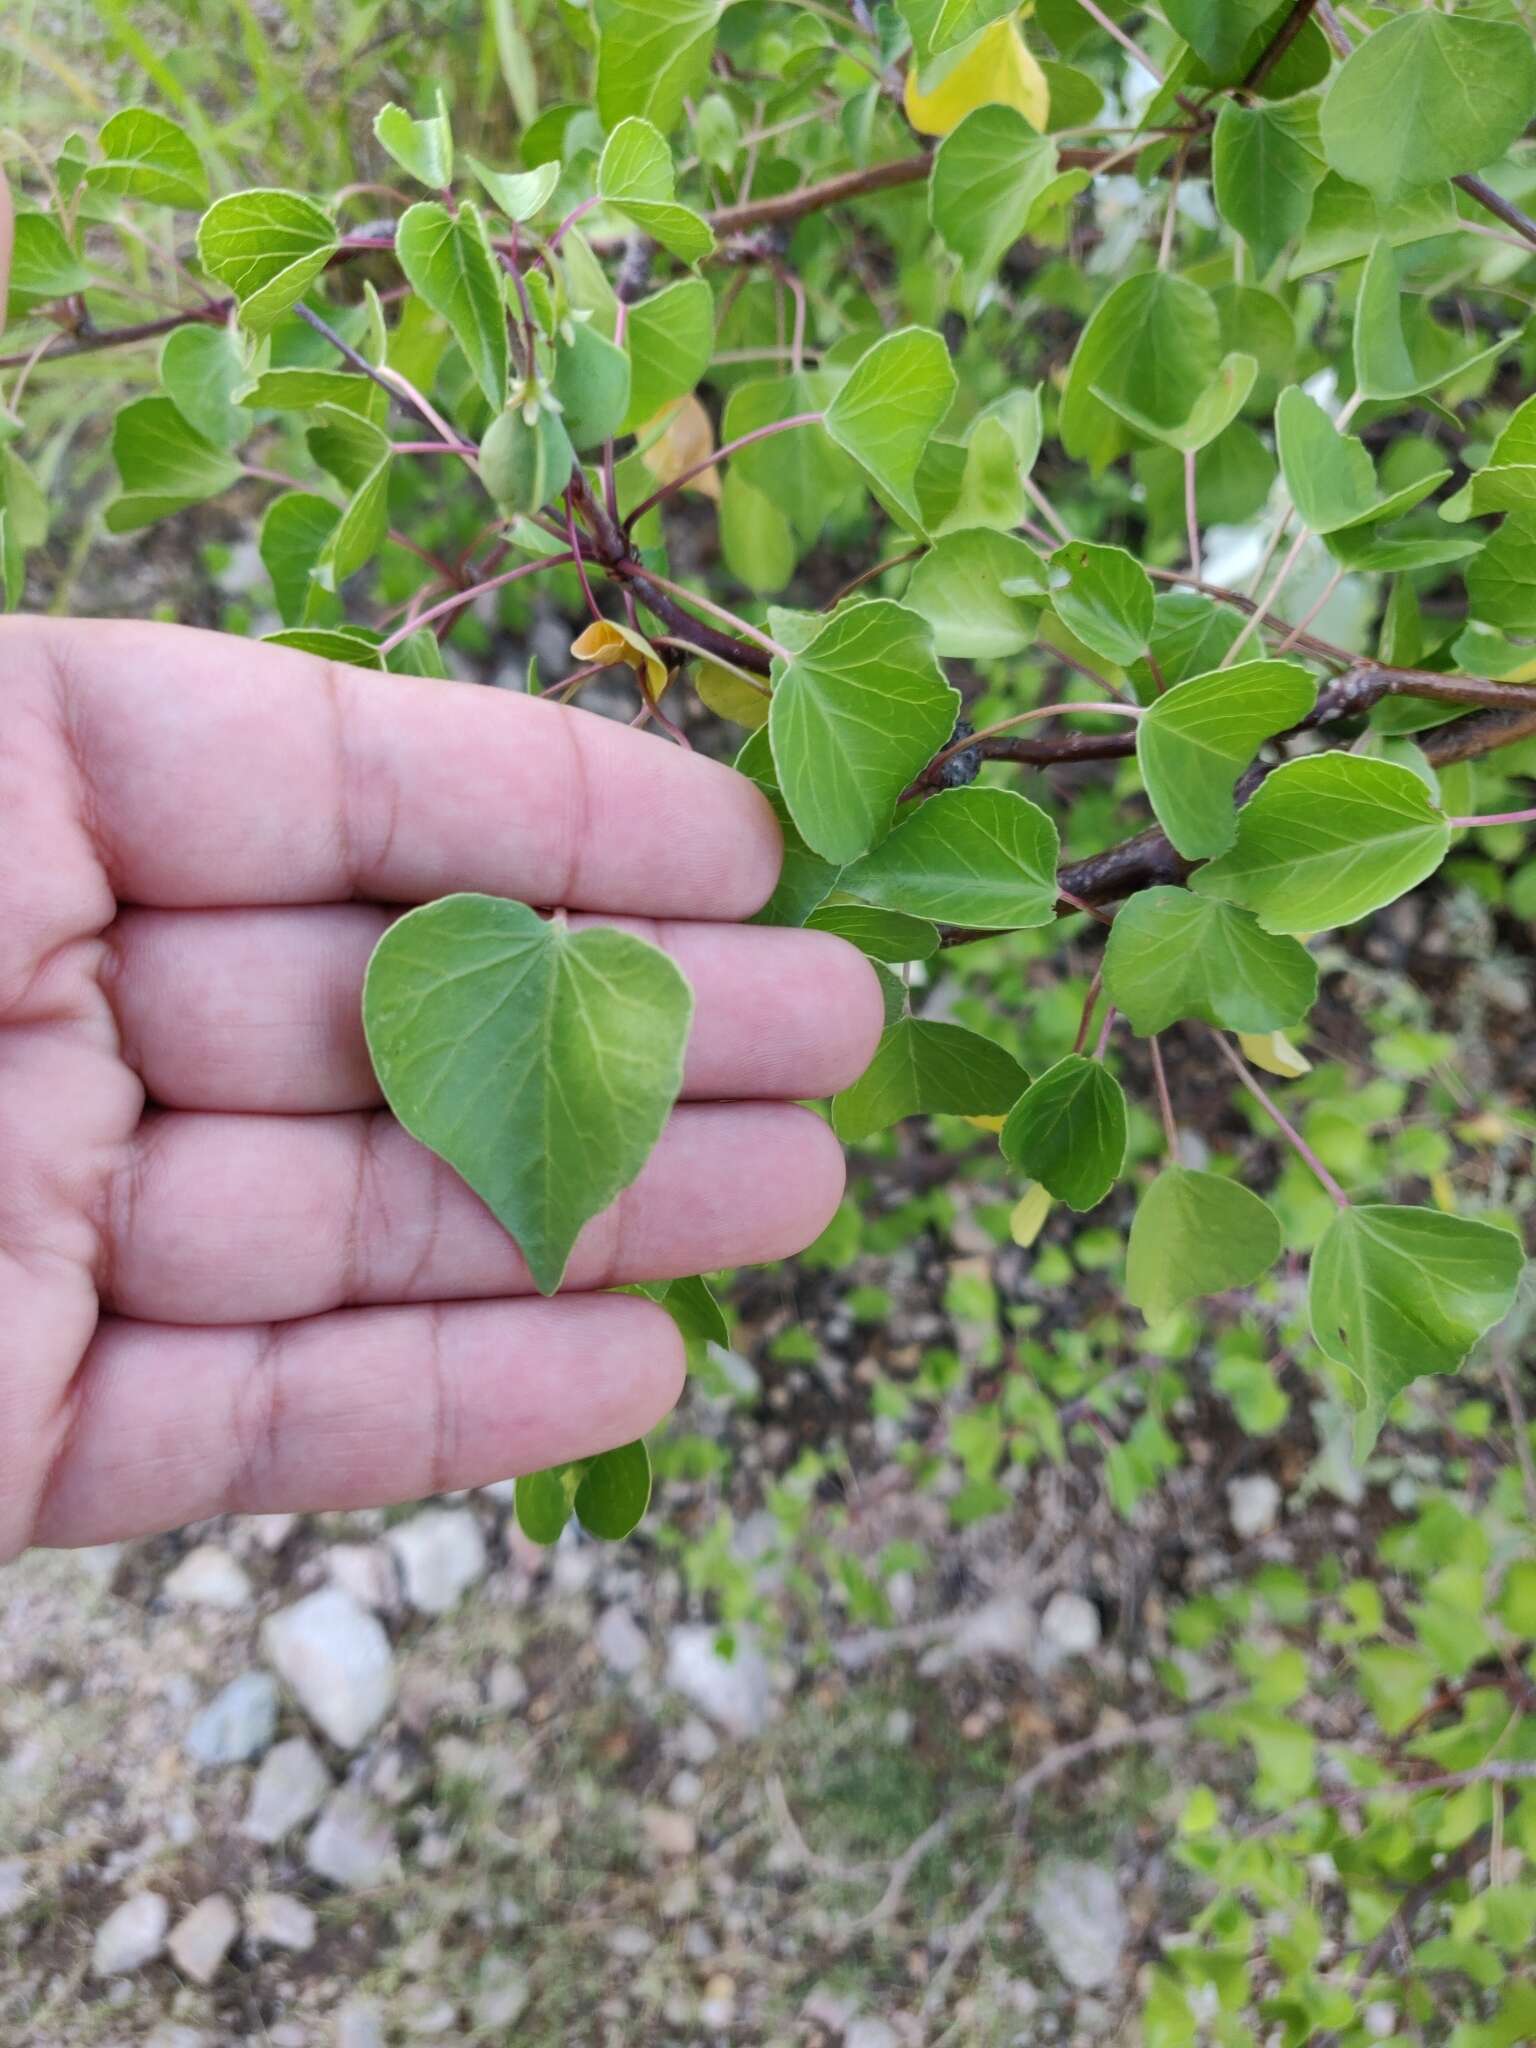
(524,467)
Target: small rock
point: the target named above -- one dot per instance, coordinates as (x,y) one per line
(828,2008)
(717,2008)
(272,1531)
(736,1691)
(630,1943)
(1078,1910)
(696,1743)
(871,2033)
(686,1788)
(506,1689)
(237,1723)
(203,1938)
(336,1658)
(14,1890)
(208,1577)
(279,1921)
(173,2036)
(359,2025)
(1253,1505)
(131,1936)
(1003,1627)
(621,1642)
(441,1553)
(669,1833)
(1021,1997)
(367,1572)
(291,1785)
(352,1844)
(1069,1627)
(503,1994)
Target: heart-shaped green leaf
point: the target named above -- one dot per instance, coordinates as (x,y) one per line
(447,258)
(1068,1131)
(424,148)
(922,1066)
(1103,595)
(1172,955)
(268,247)
(981,591)
(1196,739)
(886,412)
(615,1492)
(146,156)
(987,175)
(635,174)
(1194,1233)
(1396,1293)
(967,856)
(541,1063)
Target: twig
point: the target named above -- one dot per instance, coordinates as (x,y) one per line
(1509,1386)
(1282,40)
(1164,1100)
(1282,1122)
(676,483)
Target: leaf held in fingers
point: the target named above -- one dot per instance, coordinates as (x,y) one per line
(1197,738)
(540,1063)
(1171,955)
(614,1492)
(1068,1131)
(1194,1233)
(542,1501)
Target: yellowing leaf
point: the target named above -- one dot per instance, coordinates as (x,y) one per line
(995,67)
(1029,1214)
(731,693)
(987,1123)
(1444,1193)
(1274,1053)
(607,643)
(675,440)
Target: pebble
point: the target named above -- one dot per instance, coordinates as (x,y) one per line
(279,1921)
(291,1786)
(131,1936)
(237,1723)
(1078,1910)
(366,1571)
(503,1994)
(871,2033)
(621,1642)
(209,1577)
(352,1844)
(173,2036)
(272,1531)
(1253,1505)
(359,2025)
(1069,1627)
(735,1692)
(203,1938)
(669,1833)
(14,1890)
(630,1943)
(441,1554)
(336,1659)
(696,1742)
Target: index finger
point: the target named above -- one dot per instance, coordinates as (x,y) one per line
(220,772)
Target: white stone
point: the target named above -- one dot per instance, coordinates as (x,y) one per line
(359,2025)
(441,1554)
(1069,1627)
(735,1692)
(336,1659)
(272,1531)
(367,1572)
(352,1843)
(14,1889)
(209,1577)
(696,1741)
(1078,1910)
(201,1939)
(669,1833)
(621,1642)
(291,1785)
(279,1921)
(871,2033)
(503,1994)
(173,2036)
(1253,1505)
(237,1723)
(131,1936)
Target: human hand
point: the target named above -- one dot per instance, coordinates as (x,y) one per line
(228,1280)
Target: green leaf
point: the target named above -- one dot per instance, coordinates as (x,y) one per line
(1330,476)
(1266,163)
(447,259)
(1347,221)
(756,540)
(856,714)
(43,265)
(1197,738)
(937,25)
(591,381)
(920,1067)
(651,55)
(1151,352)
(359,533)
(541,1063)
(1396,1293)
(146,156)
(291,388)
(1195,1234)
(984,857)
(200,369)
(1068,1131)
(165,465)
(888,935)
(635,175)
(293,534)
(800,472)
(1398,349)
(519,195)
(670,338)
(542,1501)
(1190,637)
(1501,582)
(981,591)
(1172,955)
(331,643)
(1103,596)
(1428,96)
(525,467)
(424,148)
(268,247)
(988,174)
(1326,840)
(615,1492)
(886,412)
(1219,31)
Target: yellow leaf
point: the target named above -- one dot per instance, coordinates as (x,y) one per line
(987,1123)
(731,693)
(1444,1193)
(1029,1214)
(1274,1052)
(675,440)
(606,642)
(995,66)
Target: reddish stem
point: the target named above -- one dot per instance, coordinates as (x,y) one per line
(461,598)
(1286,1128)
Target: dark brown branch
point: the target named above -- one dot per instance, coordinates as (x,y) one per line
(214,311)
(1495,203)
(1289,30)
